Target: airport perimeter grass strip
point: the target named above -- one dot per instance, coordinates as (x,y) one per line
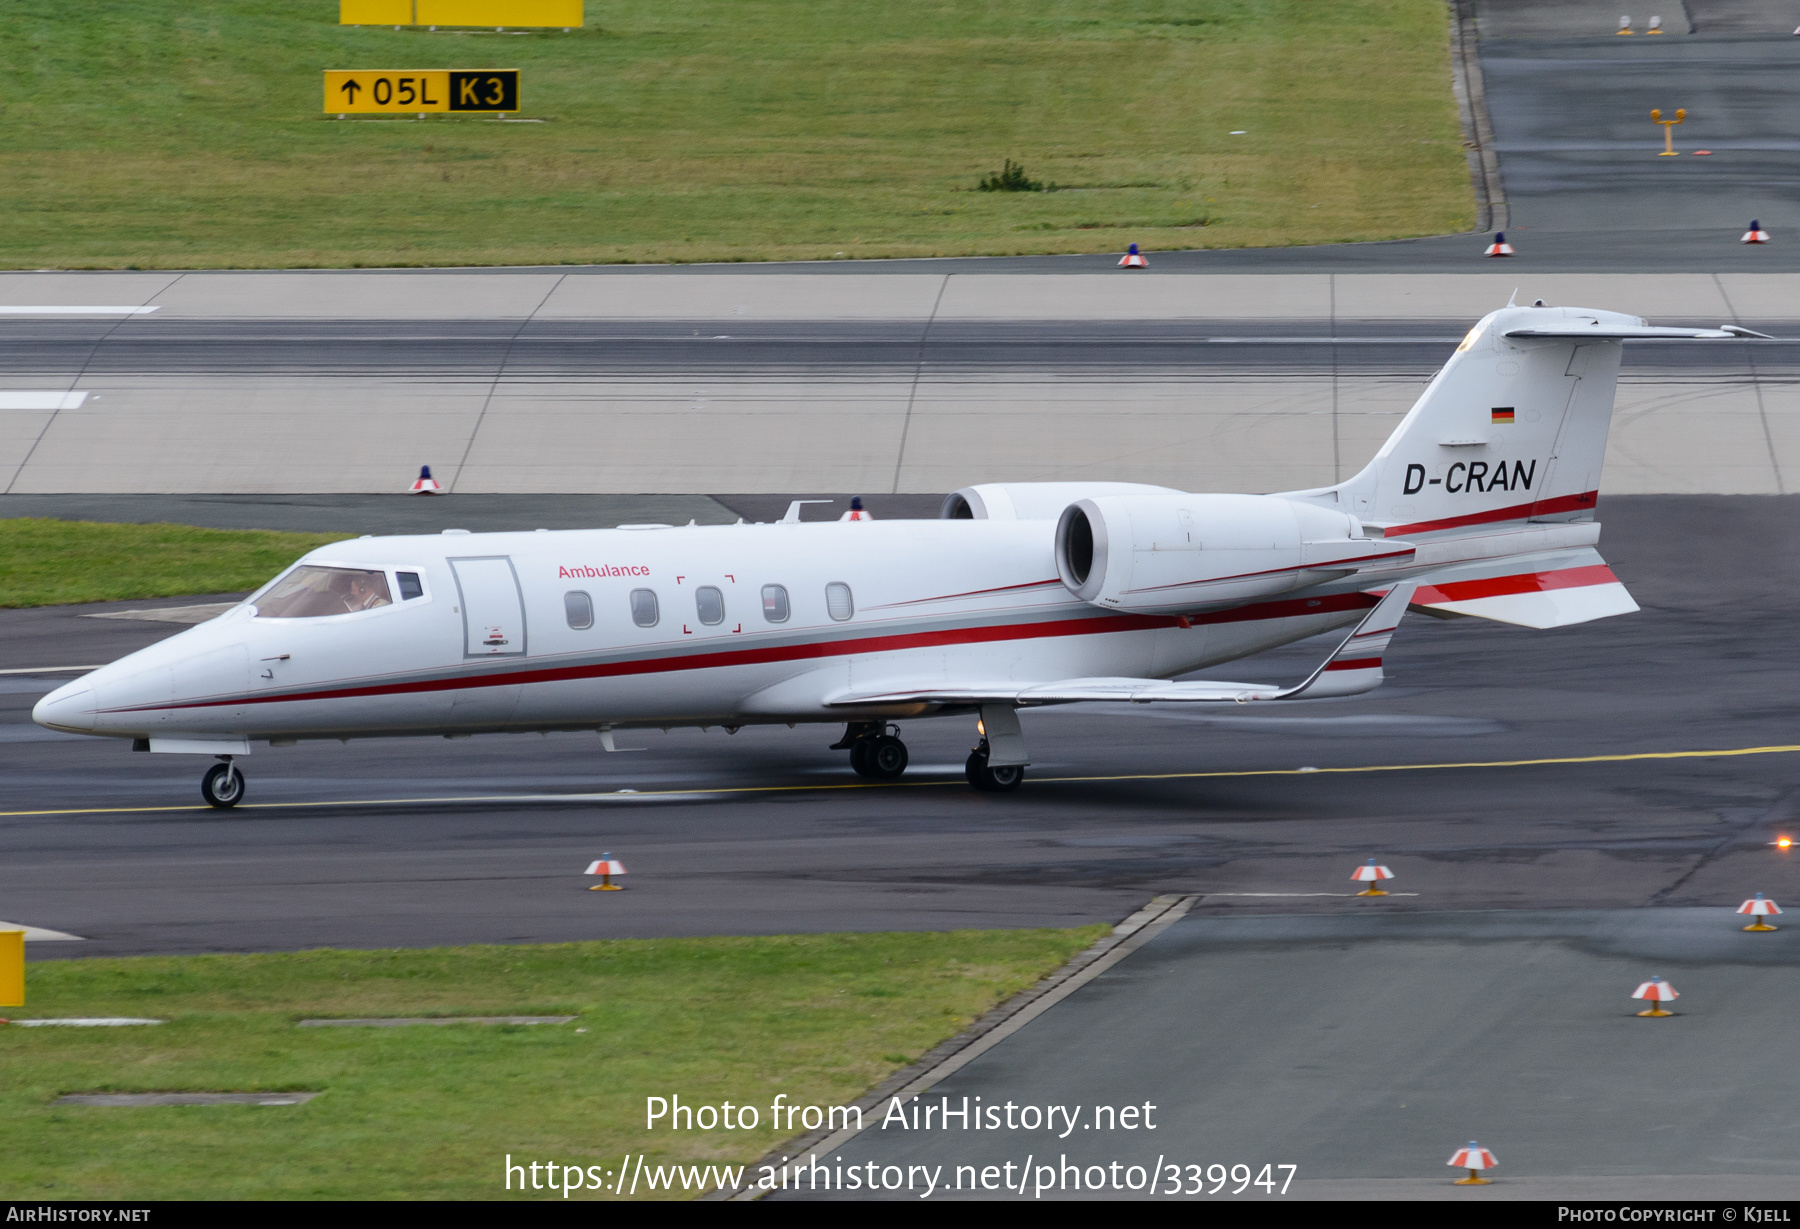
(45,562)
(431,1113)
(713,791)
(191,133)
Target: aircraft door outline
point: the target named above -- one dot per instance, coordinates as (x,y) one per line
(493,607)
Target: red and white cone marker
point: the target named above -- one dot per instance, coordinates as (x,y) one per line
(1760,908)
(1474,1158)
(1371,875)
(425,484)
(1499,247)
(1657,992)
(606,866)
(1133,259)
(1756,234)
(857,512)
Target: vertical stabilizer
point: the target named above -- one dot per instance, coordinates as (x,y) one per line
(1512,429)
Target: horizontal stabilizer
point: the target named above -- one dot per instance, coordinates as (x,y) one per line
(1596,331)
(1554,597)
(1353,668)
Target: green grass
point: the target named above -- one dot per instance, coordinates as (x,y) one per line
(49,563)
(429,1112)
(188,133)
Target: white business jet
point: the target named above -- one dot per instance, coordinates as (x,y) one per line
(1482,503)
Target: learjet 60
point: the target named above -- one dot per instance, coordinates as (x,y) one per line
(1481,504)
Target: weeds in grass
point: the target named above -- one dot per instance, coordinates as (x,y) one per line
(1011,178)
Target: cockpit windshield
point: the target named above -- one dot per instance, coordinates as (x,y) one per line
(312,592)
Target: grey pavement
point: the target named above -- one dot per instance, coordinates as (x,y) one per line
(1364,1047)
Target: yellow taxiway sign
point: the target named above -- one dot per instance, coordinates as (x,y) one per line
(401,90)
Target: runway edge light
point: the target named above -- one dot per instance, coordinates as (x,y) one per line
(425,484)
(1371,875)
(1499,247)
(1756,234)
(606,866)
(1759,908)
(1133,259)
(1474,1158)
(1657,992)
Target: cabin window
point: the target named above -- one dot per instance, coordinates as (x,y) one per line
(838,603)
(312,592)
(409,586)
(578,607)
(775,604)
(643,607)
(709,604)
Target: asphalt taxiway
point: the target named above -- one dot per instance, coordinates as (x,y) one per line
(1666,740)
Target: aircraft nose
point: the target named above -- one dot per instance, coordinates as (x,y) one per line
(69,707)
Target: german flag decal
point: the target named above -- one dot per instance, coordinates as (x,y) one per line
(1503,413)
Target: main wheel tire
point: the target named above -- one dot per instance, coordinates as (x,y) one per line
(222,786)
(886,758)
(1007,778)
(859,757)
(998,780)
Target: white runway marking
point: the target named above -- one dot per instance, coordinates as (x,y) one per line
(37,934)
(41,310)
(36,400)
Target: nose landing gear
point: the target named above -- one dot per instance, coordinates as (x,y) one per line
(875,752)
(223,784)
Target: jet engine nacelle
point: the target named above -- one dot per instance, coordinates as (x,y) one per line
(1172,553)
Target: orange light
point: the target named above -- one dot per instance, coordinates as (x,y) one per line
(1784,842)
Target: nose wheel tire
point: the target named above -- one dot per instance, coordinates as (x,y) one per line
(881,758)
(222,786)
(992,780)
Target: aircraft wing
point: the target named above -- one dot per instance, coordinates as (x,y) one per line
(1354,667)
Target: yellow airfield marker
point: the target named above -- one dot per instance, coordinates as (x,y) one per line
(12,968)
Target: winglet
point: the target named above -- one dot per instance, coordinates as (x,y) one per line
(1356,666)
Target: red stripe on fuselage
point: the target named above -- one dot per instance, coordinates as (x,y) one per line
(1523,582)
(1518,512)
(1086,626)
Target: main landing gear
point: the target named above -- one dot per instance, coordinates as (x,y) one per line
(997,779)
(875,750)
(223,784)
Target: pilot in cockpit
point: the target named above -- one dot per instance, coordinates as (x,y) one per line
(365,594)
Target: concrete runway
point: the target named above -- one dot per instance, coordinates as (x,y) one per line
(884,384)
(768,832)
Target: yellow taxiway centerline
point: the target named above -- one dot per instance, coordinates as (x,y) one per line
(617,796)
